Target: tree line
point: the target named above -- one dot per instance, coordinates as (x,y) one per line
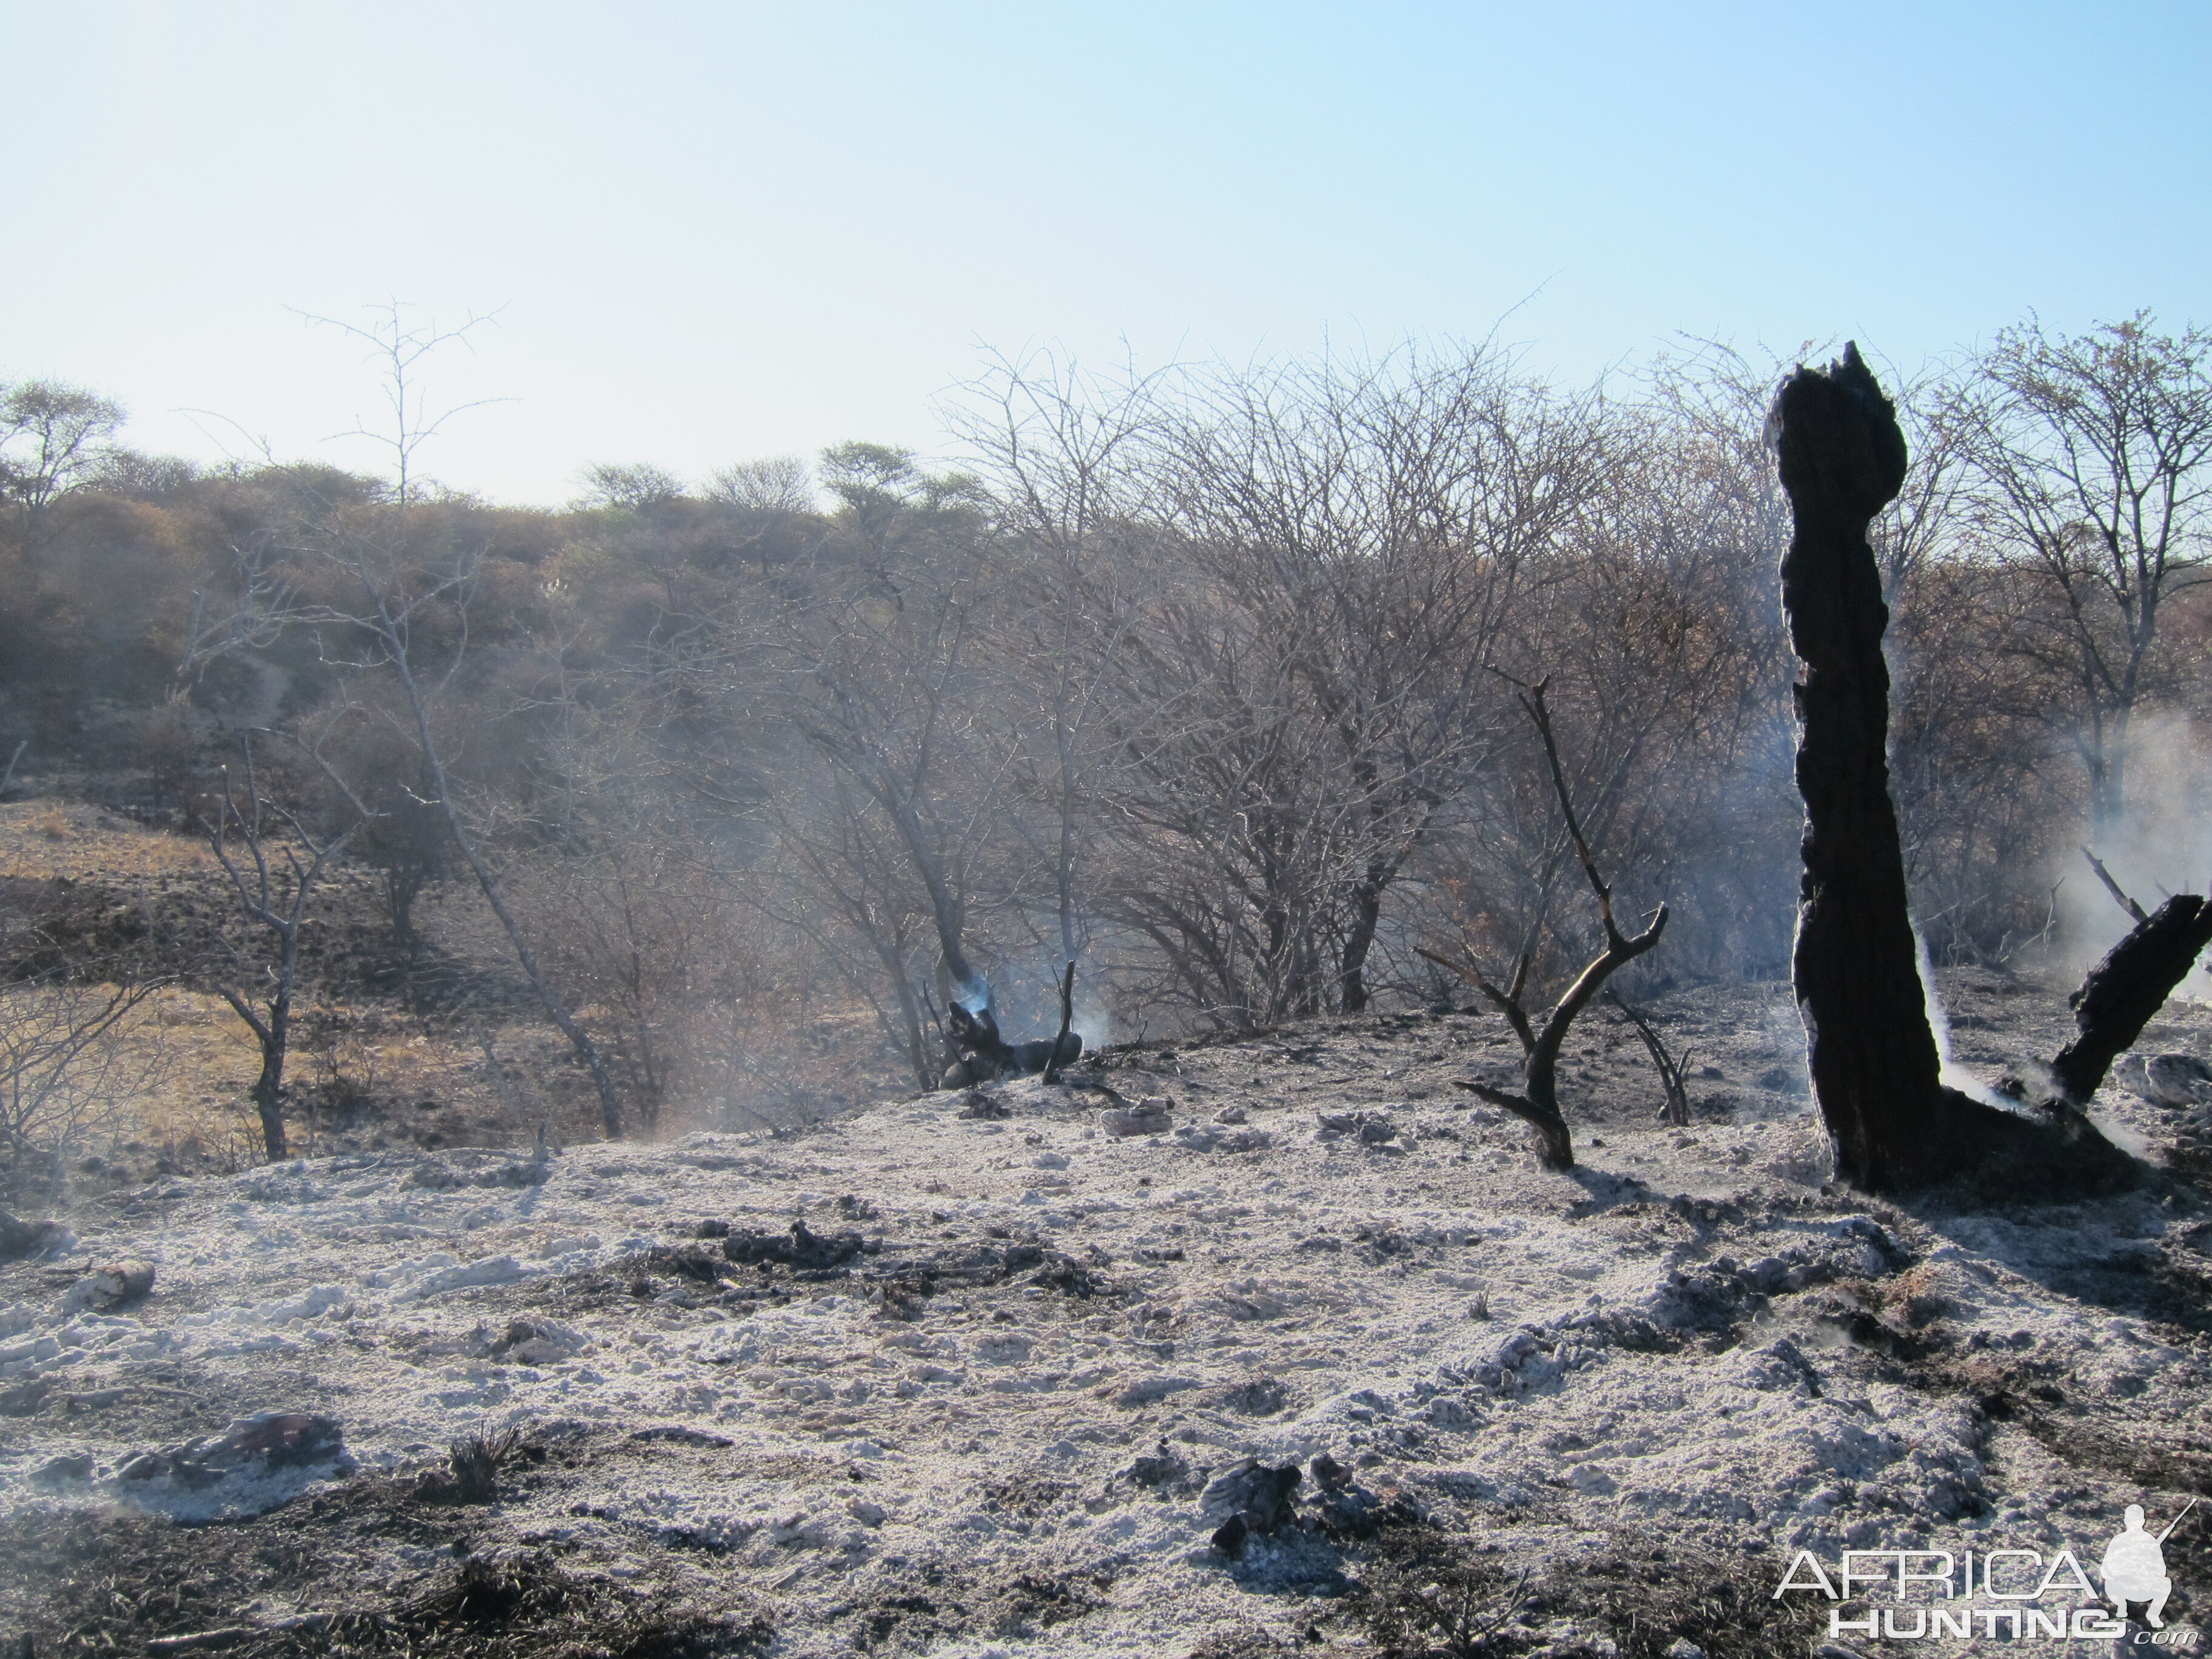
(1211,680)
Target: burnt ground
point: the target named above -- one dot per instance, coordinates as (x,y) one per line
(967,1374)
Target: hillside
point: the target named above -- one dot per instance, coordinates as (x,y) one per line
(937,1379)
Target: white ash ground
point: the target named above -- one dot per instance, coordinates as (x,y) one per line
(1691,1333)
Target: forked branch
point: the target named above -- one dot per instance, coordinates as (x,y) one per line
(1538,1106)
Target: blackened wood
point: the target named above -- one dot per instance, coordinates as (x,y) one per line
(2124,990)
(1873,1057)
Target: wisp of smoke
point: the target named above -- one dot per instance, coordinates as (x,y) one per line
(2163,846)
(1951,1076)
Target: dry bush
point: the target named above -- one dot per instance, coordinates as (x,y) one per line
(74,1068)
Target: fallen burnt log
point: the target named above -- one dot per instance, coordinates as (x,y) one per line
(1875,1064)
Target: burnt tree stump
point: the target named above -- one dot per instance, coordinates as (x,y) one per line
(1875,1064)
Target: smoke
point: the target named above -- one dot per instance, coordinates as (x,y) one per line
(1947,1072)
(2163,846)
(1030,1005)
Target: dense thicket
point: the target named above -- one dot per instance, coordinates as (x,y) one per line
(1206,680)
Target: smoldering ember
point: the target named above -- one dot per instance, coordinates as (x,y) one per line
(1355,1007)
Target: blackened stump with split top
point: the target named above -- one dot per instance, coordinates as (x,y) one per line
(1874,1059)
(1873,1056)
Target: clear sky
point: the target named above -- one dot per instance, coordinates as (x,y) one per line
(719,231)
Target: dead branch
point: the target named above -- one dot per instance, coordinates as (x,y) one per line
(1672,1070)
(1540,1107)
(1507,1002)
(1066,1019)
(2113,888)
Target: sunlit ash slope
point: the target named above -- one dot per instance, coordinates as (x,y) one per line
(936,1379)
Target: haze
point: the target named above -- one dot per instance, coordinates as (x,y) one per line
(716,232)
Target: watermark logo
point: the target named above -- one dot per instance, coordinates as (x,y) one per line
(2006,1593)
(2134,1567)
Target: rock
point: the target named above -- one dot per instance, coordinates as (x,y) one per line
(1328,1475)
(1064,1272)
(71,1466)
(110,1286)
(1146,1389)
(1209,1138)
(1259,1396)
(1374,1128)
(538,1342)
(1247,1489)
(1228,1537)
(19,1239)
(1684,1647)
(1149,1116)
(254,1445)
(1349,1510)
(2169,1080)
(683,1435)
(282,1439)
(1161,1468)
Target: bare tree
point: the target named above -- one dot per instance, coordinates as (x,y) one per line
(385,607)
(1538,1105)
(2093,458)
(274,860)
(68,1063)
(1276,591)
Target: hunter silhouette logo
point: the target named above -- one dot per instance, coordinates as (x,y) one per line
(2134,1567)
(1922,1594)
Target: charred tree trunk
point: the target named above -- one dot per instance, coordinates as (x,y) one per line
(2132,983)
(1873,1056)
(1874,1059)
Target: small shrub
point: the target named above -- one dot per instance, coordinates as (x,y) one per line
(475,1461)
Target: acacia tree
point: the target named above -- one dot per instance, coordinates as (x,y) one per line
(2093,460)
(70,1063)
(1381,523)
(860,674)
(53,437)
(1062,452)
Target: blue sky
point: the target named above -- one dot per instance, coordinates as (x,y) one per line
(719,231)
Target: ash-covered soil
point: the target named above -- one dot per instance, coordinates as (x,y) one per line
(968,1375)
